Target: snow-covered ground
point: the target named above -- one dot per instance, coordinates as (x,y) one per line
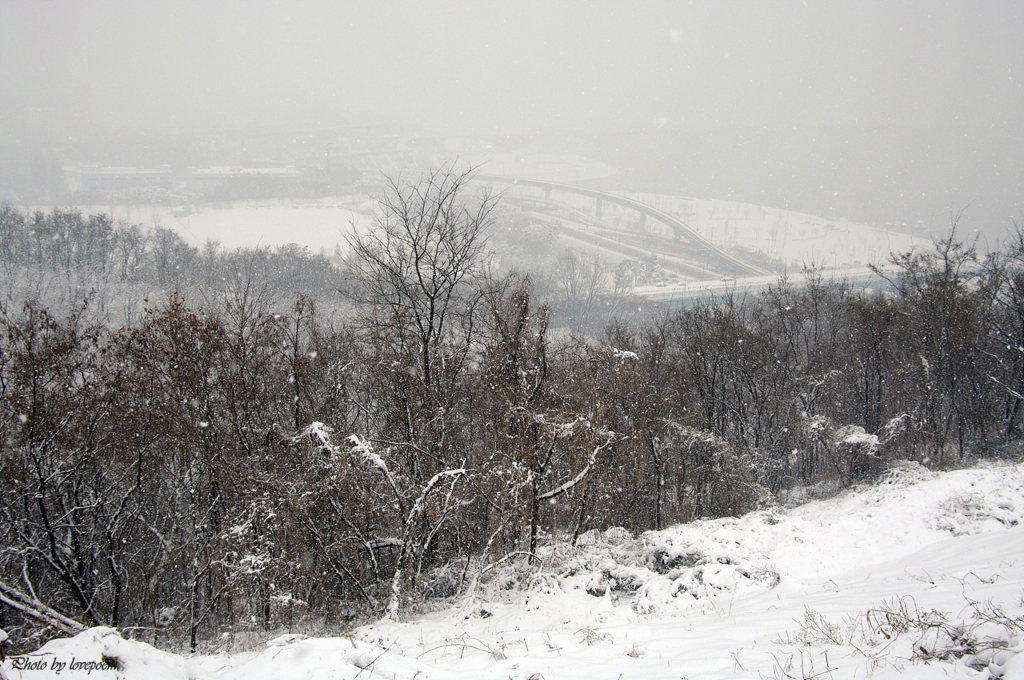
(794,237)
(921,576)
(318,224)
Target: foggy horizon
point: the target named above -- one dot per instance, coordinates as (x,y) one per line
(872,111)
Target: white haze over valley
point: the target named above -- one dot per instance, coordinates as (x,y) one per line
(878,112)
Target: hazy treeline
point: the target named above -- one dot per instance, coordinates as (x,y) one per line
(235,465)
(42,251)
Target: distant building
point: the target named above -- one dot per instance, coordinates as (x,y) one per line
(96,179)
(204,178)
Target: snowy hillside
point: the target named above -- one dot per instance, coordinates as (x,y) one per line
(796,238)
(921,576)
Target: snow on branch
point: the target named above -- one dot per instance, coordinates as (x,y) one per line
(624,355)
(360,449)
(320,435)
(417,506)
(33,608)
(561,430)
(410,522)
(582,474)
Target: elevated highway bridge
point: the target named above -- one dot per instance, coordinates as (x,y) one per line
(700,248)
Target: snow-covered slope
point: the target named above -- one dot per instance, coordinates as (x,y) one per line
(921,576)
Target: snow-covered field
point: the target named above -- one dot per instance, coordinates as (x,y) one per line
(318,224)
(921,576)
(794,237)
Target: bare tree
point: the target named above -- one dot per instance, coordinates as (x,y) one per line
(582,285)
(417,278)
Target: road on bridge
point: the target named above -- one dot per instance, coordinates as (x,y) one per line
(680,230)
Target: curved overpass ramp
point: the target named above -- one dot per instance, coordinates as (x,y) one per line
(680,230)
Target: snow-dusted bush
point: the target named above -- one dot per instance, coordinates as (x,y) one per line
(715,479)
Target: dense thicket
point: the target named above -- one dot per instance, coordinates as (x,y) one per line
(246,464)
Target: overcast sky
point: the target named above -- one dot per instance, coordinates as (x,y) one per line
(951,71)
(515,65)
